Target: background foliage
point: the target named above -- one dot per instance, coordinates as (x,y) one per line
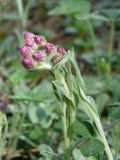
(92,27)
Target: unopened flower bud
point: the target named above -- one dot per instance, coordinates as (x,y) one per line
(28,63)
(37,56)
(61,50)
(49,47)
(25,51)
(39,40)
(29,39)
(55,58)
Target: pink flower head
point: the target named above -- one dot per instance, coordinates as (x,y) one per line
(49,47)
(29,39)
(38,55)
(25,51)
(28,63)
(39,39)
(61,50)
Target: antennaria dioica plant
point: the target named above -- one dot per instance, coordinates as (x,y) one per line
(68,87)
(3,128)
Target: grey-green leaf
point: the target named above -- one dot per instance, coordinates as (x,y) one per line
(91,147)
(101,101)
(36,113)
(73,6)
(115,113)
(80,129)
(46,151)
(38,94)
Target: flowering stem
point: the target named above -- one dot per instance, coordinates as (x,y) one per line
(13,139)
(117,141)
(110,47)
(64,122)
(72,116)
(91,111)
(20,11)
(16,129)
(93,37)
(3,132)
(100,130)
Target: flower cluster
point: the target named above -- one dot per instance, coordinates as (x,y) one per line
(37,52)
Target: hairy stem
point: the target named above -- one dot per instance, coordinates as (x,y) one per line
(3,132)
(117,141)
(72,116)
(16,129)
(64,123)
(97,121)
(102,134)
(93,37)
(110,47)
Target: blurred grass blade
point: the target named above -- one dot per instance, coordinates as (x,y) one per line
(20,8)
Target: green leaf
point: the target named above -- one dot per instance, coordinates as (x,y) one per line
(40,114)
(114,113)
(83,107)
(10,16)
(93,16)
(114,81)
(73,6)
(38,94)
(80,129)
(57,126)
(35,132)
(77,70)
(77,155)
(48,120)
(18,75)
(36,113)
(6,44)
(112,13)
(92,102)
(67,154)
(46,151)
(117,104)
(89,126)
(98,87)
(61,90)
(42,92)
(57,91)
(101,101)
(91,147)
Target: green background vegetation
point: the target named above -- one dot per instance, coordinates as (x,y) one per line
(93,28)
